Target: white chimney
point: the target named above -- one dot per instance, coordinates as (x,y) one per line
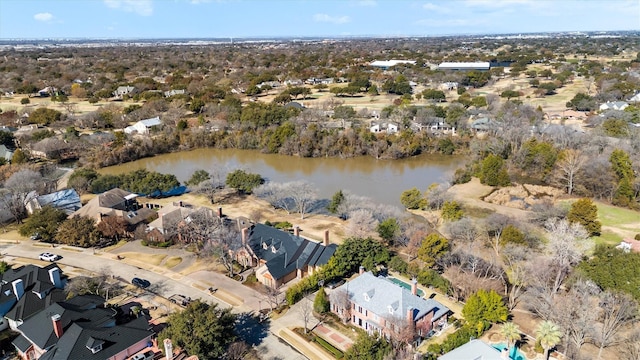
(54,276)
(18,288)
(168,349)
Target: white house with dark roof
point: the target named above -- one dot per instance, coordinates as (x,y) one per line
(376,304)
(143,126)
(123,90)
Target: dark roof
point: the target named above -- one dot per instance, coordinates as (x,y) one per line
(34,278)
(31,303)
(84,324)
(294,104)
(112,198)
(285,252)
(21,343)
(77,341)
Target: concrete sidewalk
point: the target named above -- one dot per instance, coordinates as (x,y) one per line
(333,337)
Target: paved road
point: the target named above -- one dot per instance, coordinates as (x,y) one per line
(166,283)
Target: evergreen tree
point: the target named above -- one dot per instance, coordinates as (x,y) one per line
(585,213)
(336,201)
(321,302)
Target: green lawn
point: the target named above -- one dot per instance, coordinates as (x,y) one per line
(613,216)
(607,238)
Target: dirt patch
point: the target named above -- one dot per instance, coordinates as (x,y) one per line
(472,193)
(522,196)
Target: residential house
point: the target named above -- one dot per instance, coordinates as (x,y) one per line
(143,126)
(475,349)
(116,202)
(281,256)
(81,328)
(389,128)
(171,217)
(483,125)
(441,127)
(449,85)
(66,200)
(28,289)
(294,82)
(272,84)
(5,153)
(123,90)
(614,105)
(52,148)
(174,92)
(47,91)
(376,304)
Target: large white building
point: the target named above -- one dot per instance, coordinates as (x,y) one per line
(464,66)
(385,64)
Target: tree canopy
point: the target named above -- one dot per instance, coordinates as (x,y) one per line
(485,307)
(44,222)
(354,252)
(201,329)
(243,182)
(585,212)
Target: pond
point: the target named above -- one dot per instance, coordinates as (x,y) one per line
(381,180)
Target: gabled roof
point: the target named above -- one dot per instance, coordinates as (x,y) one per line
(383,296)
(85,325)
(169,217)
(285,252)
(473,350)
(5,153)
(30,303)
(76,342)
(115,202)
(34,278)
(151,122)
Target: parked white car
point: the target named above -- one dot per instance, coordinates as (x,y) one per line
(46,256)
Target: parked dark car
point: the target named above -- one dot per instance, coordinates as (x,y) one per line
(335,283)
(141,283)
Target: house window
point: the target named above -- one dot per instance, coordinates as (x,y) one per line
(360,309)
(264,246)
(390,310)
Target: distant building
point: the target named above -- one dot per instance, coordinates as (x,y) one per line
(385,64)
(123,90)
(116,202)
(171,93)
(483,66)
(66,200)
(615,105)
(5,153)
(143,126)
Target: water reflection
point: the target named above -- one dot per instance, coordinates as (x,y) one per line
(381,180)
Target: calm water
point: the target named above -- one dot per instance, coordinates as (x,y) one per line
(381,180)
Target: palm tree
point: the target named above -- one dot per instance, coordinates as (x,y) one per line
(548,335)
(511,333)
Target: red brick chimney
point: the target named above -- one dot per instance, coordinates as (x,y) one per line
(414,287)
(326,238)
(410,315)
(296,231)
(57,325)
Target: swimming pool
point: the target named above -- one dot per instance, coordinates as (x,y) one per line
(518,355)
(404,285)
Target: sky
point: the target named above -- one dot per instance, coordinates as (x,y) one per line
(127,19)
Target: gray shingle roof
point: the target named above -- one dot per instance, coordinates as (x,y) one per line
(382,296)
(34,278)
(285,252)
(473,350)
(83,323)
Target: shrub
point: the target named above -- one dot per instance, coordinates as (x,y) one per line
(25,101)
(330,348)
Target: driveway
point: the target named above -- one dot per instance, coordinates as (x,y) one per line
(165,283)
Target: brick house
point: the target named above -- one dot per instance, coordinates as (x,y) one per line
(376,304)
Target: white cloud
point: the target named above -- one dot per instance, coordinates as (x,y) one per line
(43,16)
(140,7)
(500,3)
(369,3)
(331,19)
(436,8)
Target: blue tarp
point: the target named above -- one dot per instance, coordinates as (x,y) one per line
(178,190)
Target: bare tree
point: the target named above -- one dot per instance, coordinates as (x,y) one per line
(569,165)
(16,189)
(273,296)
(617,311)
(494,224)
(463,232)
(631,346)
(212,186)
(361,223)
(341,303)
(305,309)
(103,284)
(568,242)
(276,194)
(401,331)
(302,194)
(515,263)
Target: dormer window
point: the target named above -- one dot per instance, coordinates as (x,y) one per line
(273,249)
(390,309)
(264,245)
(95,345)
(366,297)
